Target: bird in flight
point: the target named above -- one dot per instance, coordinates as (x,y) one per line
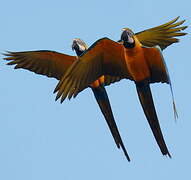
(130,59)
(54,64)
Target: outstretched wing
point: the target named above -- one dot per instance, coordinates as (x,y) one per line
(49,63)
(104,57)
(163,35)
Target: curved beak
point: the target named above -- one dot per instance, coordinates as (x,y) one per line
(74,44)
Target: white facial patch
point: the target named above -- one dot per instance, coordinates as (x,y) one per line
(81,48)
(130,40)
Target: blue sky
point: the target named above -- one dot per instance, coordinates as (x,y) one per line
(43,139)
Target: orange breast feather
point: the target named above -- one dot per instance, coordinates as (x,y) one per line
(136,63)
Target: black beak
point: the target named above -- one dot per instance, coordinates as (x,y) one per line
(74,45)
(124,36)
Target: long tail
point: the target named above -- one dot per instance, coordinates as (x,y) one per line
(145,97)
(104,104)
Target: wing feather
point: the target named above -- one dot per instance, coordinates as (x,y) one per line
(163,35)
(111,79)
(49,63)
(95,62)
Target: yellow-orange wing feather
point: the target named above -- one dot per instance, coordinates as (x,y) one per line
(104,57)
(49,63)
(110,79)
(163,35)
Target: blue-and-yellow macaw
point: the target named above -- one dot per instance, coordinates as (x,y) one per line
(53,64)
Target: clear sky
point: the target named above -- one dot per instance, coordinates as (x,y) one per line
(43,139)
